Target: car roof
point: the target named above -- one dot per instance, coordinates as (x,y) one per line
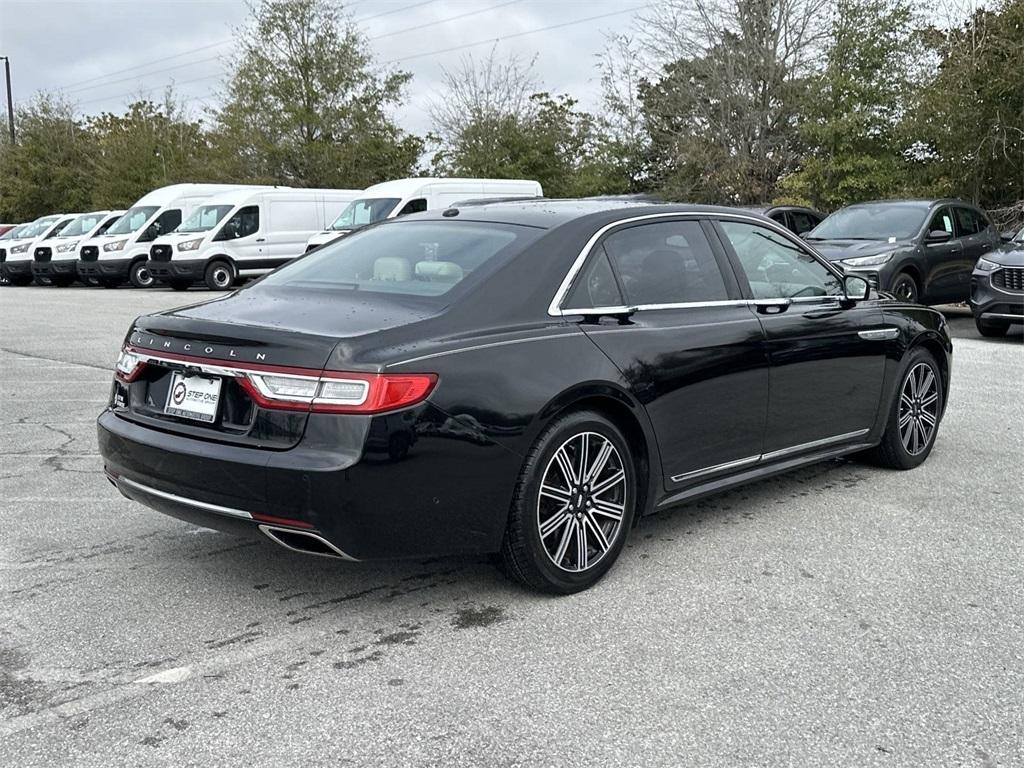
(920,202)
(547,213)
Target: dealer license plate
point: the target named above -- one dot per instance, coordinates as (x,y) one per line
(193,397)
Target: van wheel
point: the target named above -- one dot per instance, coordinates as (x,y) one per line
(139,275)
(219,276)
(179,285)
(109,282)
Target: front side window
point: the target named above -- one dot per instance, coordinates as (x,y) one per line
(414,206)
(942,221)
(366,211)
(132,219)
(777,268)
(165,222)
(414,258)
(58,229)
(204,218)
(665,263)
(105,226)
(244,222)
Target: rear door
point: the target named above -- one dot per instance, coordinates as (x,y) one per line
(827,362)
(976,238)
(691,353)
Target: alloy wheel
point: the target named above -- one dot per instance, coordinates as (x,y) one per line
(919,408)
(581,502)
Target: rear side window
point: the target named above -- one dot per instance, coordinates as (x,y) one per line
(802,222)
(665,263)
(966,222)
(418,258)
(596,285)
(245,222)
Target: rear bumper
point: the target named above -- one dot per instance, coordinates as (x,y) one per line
(439,495)
(105,268)
(190,269)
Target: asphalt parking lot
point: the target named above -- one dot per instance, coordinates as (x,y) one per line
(839,615)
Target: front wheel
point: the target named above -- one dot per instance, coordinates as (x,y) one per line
(904,287)
(573,505)
(139,275)
(219,276)
(991,329)
(179,285)
(914,419)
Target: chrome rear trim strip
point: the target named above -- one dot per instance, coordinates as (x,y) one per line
(716,468)
(1002,316)
(203,505)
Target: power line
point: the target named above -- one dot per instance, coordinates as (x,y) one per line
(464,46)
(73,87)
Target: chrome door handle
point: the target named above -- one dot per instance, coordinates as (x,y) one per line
(771,306)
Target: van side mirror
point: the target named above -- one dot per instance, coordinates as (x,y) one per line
(939,236)
(856,288)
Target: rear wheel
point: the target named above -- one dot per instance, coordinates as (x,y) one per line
(991,328)
(140,276)
(219,276)
(905,287)
(179,285)
(914,419)
(20,280)
(109,282)
(63,281)
(573,505)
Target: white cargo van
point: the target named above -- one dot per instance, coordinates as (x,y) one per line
(121,253)
(16,255)
(242,234)
(53,259)
(402,196)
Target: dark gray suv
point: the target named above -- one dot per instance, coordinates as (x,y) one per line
(919,250)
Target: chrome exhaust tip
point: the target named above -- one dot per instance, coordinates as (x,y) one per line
(304,542)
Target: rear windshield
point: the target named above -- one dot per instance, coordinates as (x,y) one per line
(367,211)
(414,258)
(132,220)
(872,222)
(204,218)
(83,225)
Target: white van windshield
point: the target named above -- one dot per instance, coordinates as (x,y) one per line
(14,234)
(204,218)
(133,219)
(366,211)
(38,226)
(83,225)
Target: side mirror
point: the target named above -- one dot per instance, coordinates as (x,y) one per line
(1008,235)
(856,288)
(939,236)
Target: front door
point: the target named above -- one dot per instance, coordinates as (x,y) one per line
(691,353)
(827,361)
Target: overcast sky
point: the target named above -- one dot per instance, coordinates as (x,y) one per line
(101,53)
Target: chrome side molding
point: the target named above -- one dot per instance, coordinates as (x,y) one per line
(879,334)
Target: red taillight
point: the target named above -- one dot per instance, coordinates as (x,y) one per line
(129,366)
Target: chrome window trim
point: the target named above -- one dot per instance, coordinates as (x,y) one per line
(203,505)
(555,310)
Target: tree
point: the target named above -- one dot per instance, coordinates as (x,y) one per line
(623,141)
(968,126)
(723,108)
(48,170)
(856,105)
(149,146)
(491,124)
(305,106)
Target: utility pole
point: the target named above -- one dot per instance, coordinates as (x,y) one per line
(10,100)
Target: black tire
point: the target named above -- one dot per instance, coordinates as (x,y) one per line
(110,282)
(220,275)
(398,446)
(990,328)
(905,287)
(892,452)
(139,275)
(179,285)
(20,280)
(40,280)
(525,556)
(63,281)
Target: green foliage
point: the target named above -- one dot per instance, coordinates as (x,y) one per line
(149,146)
(305,106)
(48,170)
(851,127)
(550,141)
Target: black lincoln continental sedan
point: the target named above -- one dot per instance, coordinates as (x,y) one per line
(526,378)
